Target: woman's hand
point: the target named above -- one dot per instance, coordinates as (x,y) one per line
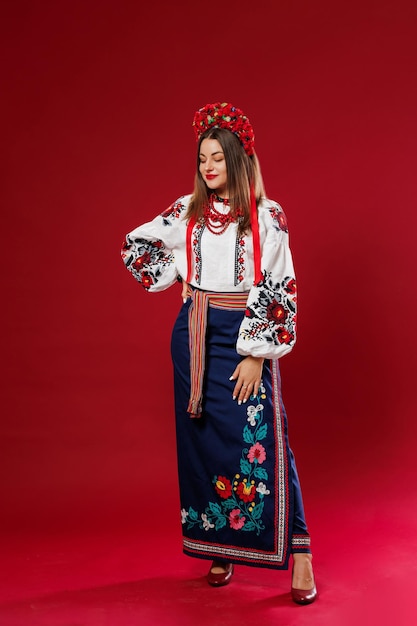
(184,291)
(248,375)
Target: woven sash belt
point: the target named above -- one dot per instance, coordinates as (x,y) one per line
(197,326)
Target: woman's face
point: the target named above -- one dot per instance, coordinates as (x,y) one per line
(213,166)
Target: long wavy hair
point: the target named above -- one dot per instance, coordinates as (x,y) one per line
(243,171)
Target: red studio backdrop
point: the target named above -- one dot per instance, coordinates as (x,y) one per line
(98,100)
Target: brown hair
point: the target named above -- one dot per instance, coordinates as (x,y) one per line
(242,172)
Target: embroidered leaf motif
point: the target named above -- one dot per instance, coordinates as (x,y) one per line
(261,434)
(258,510)
(220,522)
(229,504)
(192,514)
(248,526)
(248,435)
(215,508)
(261,473)
(245,466)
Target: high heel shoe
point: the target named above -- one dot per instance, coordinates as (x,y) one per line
(224,578)
(304,596)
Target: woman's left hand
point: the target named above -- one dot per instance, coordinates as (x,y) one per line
(184,292)
(248,375)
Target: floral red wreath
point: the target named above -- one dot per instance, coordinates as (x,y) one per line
(225,115)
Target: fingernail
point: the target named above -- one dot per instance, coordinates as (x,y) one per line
(231,378)
(234,398)
(240,402)
(184,300)
(245,399)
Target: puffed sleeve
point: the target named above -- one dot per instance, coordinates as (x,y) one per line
(148,252)
(269,327)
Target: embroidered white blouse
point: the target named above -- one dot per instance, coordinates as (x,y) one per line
(155,254)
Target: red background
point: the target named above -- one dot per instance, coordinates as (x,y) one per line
(98,103)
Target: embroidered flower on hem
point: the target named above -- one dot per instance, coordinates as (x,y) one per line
(246,491)
(261,488)
(223,487)
(184,515)
(257,452)
(236,521)
(206,522)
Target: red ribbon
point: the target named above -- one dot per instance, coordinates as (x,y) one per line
(255,238)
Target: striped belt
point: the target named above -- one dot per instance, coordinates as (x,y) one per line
(197,326)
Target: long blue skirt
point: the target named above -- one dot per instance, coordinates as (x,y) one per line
(239,490)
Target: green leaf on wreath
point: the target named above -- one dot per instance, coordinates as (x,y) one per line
(245,466)
(192,514)
(261,434)
(258,510)
(248,526)
(220,522)
(248,435)
(261,473)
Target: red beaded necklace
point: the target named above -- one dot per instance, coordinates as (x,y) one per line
(258,275)
(216,221)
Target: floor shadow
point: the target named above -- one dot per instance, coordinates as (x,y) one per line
(160,601)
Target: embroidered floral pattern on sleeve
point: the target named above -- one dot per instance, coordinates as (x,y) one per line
(146,260)
(279,219)
(173,212)
(272,316)
(240,499)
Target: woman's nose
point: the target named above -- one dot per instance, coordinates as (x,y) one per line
(208,165)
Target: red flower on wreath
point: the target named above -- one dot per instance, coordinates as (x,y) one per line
(284,335)
(276,312)
(246,491)
(223,487)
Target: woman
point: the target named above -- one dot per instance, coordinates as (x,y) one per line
(240,495)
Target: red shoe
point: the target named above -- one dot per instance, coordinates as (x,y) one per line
(304,596)
(219,580)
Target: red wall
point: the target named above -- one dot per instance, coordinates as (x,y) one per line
(97,138)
